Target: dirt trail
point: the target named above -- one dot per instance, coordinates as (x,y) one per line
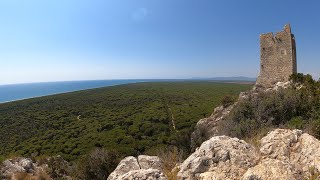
(172,117)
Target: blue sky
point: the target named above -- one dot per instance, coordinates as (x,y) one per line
(62,40)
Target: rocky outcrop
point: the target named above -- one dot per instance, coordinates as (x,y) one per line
(294,147)
(280,85)
(221,157)
(26,168)
(10,167)
(283,154)
(272,169)
(142,168)
(207,127)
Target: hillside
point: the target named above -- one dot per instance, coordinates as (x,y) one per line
(130,119)
(279,127)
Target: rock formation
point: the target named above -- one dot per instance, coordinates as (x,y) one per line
(17,165)
(142,168)
(25,168)
(207,127)
(283,154)
(221,157)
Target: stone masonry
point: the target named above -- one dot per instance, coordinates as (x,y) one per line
(277,57)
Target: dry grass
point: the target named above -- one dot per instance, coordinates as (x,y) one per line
(40,175)
(43,175)
(23,176)
(313,174)
(255,139)
(171,158)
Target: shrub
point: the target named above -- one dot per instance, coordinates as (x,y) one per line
(2,158)
(170,158)
(268,110)
(57,168)
(97,165)
(315,128)
(313,173)
(297,78)
(296,123)
(227,100)
(294,107)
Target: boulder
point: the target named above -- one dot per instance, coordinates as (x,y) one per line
(207,127)
(142,168)
(269,169)
(220,157)
(150,162)
(129,163)
(144,174)
(300,149)
(10,167)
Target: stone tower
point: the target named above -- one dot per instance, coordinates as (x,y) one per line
(278,58)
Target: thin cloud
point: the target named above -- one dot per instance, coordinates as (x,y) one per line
(140,14)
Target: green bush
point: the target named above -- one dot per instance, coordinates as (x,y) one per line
(57,167)
(227,100)
(2,158)
(97,165)
(296,123)
(288,108)
(315,128)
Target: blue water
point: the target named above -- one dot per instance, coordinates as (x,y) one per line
(24,91)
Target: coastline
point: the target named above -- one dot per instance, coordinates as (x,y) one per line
(43,89)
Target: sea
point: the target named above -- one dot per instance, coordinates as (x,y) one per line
(14,92)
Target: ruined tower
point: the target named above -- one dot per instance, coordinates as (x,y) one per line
(277,57)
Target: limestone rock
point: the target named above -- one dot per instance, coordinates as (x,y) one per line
(279,85)
(17,165)
(301,150)
(269,169)
(129,163)
(142,168)
(150,162)
(144,174)
(207,127)
(221,157)
(277,143)
(283,85)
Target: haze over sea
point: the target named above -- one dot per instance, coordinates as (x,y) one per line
(23,91)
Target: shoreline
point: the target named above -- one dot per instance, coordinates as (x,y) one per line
(116,84)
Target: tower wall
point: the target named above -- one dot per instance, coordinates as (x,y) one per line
(277,57)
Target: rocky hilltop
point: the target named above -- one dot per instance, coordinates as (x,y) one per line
(282,154)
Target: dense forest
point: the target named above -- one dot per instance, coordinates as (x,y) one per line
(131,119)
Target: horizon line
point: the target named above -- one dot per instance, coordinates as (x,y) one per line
(124,79)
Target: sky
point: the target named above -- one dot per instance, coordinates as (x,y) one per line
(65,40)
